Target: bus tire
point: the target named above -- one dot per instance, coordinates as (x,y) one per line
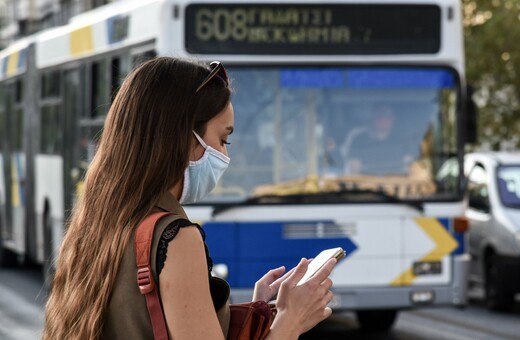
(499,296)
(48,263)
(8,258)
(376,320)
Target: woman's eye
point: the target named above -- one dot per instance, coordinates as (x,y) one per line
(225,142)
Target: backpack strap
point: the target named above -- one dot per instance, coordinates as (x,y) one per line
(145,280)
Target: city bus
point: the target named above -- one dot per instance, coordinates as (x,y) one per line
(347,113)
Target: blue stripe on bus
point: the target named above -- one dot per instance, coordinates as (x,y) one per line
(222,242)
(117,28)
(445,223)
(251,249)
(5,61)
(22,56)
(394,78)
(459,237)
(366,78)
(312,78)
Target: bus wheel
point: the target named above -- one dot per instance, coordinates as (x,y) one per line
(499,296)
(8,258)
(376,320)
(48,265)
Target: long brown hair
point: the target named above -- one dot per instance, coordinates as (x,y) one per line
(143,152)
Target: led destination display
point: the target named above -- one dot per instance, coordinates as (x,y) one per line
(312,29)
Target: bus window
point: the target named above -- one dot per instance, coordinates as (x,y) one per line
(2,118)
(18,91)
(138,59)
(51,134)
(120,68)
(74,164)
(50,85)
(99,100)
(52,130)
(17,122)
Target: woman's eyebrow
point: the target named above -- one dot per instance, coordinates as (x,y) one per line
(230,129)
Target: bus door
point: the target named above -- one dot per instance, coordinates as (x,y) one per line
(14,164)
(72,108)
(3,163)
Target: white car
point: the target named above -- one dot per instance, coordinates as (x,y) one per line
(493,210)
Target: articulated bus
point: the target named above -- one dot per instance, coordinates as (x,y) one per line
(347,113)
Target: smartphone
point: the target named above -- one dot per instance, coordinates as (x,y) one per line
(320,260)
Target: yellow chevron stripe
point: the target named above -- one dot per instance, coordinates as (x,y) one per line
(81,41)
(445,244)
(12,63)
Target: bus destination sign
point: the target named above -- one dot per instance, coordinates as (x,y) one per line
(312,29)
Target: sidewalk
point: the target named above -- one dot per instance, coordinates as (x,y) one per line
(19,319)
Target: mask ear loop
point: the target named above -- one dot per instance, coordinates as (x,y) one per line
(211,150)
(199,138)
(185,185)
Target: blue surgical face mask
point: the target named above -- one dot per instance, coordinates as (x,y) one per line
(200,177)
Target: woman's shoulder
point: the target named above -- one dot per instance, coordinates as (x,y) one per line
(170,232)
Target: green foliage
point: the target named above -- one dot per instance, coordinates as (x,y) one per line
(492,33)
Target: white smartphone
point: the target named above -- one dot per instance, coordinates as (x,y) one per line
(320,260)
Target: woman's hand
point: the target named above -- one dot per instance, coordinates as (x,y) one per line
(302,307)
(267,287)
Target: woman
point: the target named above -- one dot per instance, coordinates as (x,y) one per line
(164,141)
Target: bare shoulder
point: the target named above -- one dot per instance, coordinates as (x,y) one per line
(185,252)
(184,288)
(186,262)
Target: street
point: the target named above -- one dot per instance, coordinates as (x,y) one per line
(22,301)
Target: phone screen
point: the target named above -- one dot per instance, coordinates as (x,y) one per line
(320,260)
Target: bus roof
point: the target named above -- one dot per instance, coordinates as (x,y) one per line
(99,31)
(126,23)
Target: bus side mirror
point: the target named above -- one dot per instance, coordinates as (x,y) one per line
(471,116)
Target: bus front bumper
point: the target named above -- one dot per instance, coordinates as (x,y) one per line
(359,298)
(454,293)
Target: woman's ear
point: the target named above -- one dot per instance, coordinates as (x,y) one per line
(196,149)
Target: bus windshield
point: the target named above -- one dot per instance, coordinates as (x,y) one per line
(312,131)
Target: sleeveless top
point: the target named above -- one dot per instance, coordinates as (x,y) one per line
(127,315)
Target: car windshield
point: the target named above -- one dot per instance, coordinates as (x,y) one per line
(509,185)
(309,131)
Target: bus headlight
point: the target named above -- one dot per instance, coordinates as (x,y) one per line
(220,270)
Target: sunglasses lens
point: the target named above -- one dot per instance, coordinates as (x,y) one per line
(217,69)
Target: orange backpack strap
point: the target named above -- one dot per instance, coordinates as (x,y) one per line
(145,280)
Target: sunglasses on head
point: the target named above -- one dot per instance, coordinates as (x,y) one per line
(218,70)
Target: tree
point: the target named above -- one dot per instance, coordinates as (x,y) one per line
(492,32)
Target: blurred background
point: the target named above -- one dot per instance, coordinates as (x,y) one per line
(390,128)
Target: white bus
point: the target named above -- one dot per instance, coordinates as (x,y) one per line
(345,113)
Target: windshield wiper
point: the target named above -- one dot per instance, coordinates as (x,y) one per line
(342,195)
(419,206)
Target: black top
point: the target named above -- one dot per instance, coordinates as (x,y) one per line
(169,234)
